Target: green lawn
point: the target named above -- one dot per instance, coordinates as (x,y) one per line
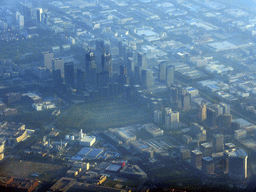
(101,115)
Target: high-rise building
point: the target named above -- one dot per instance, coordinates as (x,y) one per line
(130,66)
(168,111)
(207,165)
(56,76)
(81,78)
(146,78)
(202,112)
(142,60)
(184,101)
(162,71)
(137,76)
(58,63)
(158,116)
(170,74)
(174,95)
(39,13)
(69,73)
(226,108)
(237,164)
(89,62)
(47,58)
(211,117)
(105,61)
(172,120)
(224,121)
(196,158)
(218,109)
(218,142)
(206,149)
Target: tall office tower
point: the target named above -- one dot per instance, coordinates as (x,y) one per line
(167,111)
(137,75)
(202,112)
(237,164)
(120,48)
(56,77)
(123,75)
(207,166)
(81,75)
(58,63)
(147,78)
(105,61)
(39,13)
(206,149)
(225,121)
(45,19)
(218,142)
(158,116)
(196,158)
(218,109)
(211,117)
(226,108)
(102,79)
(162,71)
(172,120)
(69,73)
(170,74)
(48,57)
(100,50)
(142,60)
(89,62)
(184,101)
(173,95)
(130,66)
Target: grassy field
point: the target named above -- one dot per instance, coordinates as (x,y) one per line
(101,115)
(24,169)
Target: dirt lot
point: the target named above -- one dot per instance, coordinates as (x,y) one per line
(24,169)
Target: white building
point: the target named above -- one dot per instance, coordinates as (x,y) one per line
(87,141)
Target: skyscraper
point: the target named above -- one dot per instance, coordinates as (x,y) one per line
(69,73)
(39,13)
(137,75)
(56,76)
(162,71)
(81,75)
(58,63)
(196,158)
(47,58)
(142,60)
(184,101)
(172,120)
(218,142)
(237,164)
(173,95)
(211,117)
(158,116)
(146,78)
(206,149)
(202,112)
(170,74)
(207,166)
